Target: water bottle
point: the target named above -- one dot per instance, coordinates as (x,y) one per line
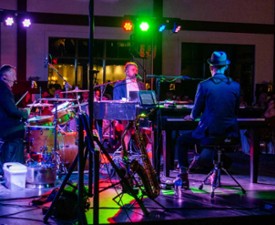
(178,186)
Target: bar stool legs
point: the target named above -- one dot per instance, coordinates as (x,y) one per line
(215,176)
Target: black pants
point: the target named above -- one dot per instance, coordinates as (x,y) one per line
(186,141)
(12,151)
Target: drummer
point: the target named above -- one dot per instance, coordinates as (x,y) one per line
(12,129)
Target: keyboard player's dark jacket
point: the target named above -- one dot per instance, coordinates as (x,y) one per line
(216,104)
(120,89)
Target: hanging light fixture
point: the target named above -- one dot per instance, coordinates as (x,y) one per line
(176,28)
(11,17)
(26,22)
(9,21)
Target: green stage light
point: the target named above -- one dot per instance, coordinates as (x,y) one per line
(144,26)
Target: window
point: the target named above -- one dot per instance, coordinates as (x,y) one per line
(71,57)
(241,69)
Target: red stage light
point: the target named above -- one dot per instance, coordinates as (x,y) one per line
(127,25)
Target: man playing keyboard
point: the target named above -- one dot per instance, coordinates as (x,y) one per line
(216,105)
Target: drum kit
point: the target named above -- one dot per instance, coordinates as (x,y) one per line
(51,144)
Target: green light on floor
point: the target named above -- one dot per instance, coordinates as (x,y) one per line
(168,192)
(109,209)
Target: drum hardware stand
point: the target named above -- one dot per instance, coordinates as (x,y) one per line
(28,138)
(80,159)
(61,169)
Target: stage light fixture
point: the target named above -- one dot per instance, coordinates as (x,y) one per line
(11,17)
(127,25)
(144,26)
(162,27)
(26,22)
(9,21)
(176,28)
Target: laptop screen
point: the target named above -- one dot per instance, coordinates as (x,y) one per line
(147,98)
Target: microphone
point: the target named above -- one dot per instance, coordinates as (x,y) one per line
(138,76)
(46,61)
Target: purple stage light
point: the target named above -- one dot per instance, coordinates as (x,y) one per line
(9,21)
(26,22)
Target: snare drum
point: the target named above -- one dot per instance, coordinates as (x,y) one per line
(40,121)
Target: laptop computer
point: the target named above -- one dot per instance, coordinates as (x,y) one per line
(147,98)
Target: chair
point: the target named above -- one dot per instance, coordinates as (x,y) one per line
(220,145)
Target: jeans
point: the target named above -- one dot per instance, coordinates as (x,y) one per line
(12,151)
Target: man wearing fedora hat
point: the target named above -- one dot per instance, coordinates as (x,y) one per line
(215,106)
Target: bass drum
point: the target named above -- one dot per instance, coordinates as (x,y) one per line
(40,140)
(69,150)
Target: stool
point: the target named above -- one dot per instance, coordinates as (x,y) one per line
(220,145)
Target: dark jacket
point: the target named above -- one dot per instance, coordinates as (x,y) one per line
(216,104)
(11,118)
(120,89)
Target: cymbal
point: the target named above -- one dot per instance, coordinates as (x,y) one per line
(40,105)
(41,120)
(40,126)
(75,91)
(58,99)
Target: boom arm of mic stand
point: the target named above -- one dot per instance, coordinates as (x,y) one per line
(60,75)
(163,77)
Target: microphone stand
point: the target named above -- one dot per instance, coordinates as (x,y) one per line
(99,126)
(67,85)
(174,77)
(103,87)
(157,137)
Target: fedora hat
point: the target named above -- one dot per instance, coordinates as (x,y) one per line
(218,58)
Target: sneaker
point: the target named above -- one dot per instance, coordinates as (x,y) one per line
(182,180)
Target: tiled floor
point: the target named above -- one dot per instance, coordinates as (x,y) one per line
(193,206)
